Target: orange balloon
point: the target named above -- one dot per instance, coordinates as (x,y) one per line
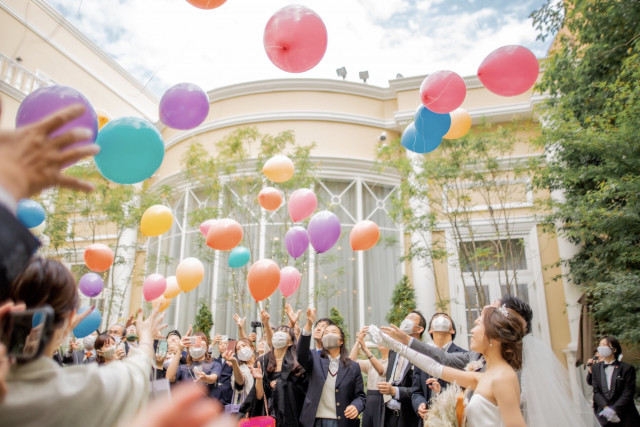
(173,289)
(364,235)
(263,279)
(162,302)
(207,4)
(460,124)
(224,235)
(103,118)
(189,274)
(279,168)
(270,198)
(98,257)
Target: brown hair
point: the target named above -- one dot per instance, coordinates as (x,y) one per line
(102,340)
(47,281)
(509,330)
(290,357)
(207,358)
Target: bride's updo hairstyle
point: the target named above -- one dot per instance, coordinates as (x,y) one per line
(508,327)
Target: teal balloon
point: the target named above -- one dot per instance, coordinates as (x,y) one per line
(239,257)
(131,150)
(412,140)
(88,324)
(431,125)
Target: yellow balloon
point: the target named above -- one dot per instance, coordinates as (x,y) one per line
(38,229)
(189,274)
(103,118)
(279,168)
(156,220)
(460,124)
(162,302)
(173,289)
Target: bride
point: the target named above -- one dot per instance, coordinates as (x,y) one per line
(498,337)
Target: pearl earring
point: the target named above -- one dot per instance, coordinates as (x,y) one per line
(490,343)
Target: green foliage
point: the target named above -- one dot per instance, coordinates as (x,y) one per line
(204,319)
(592,76)
(403,301)
(337,318)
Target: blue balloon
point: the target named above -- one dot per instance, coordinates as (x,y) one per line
(239,257)
(131,150)
(412,140)
(431,125)
(30,213)
(88,324)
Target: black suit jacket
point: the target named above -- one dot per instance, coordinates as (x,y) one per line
(349,385)
(619,397)
(17,246)
(408,417)
(77,358)
(223,390)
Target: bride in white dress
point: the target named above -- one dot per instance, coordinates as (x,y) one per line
(498,337)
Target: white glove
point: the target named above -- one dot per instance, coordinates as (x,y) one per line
(610,415)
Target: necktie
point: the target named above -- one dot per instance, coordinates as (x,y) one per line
(88,354)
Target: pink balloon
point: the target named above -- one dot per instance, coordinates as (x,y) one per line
(154,286)
(289,281)
(509,70)
(443,91)
(302,203)
(295,39)
(205,226)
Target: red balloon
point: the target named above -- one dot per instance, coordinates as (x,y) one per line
(443,91)
(295,39)
(509,70)
(206,4)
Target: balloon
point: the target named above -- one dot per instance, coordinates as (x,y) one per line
(30,213)
(270,198)
(189,274)
(239,256)
(103,118)
(324,231)
(509,70)
(443,91)
(206,226)
(297,241)
(279,168)
(289,281)
(156,220)
(91,284)
(98,257)
(207,4)
(302,203)
(131,150)
(263,279)
(295,39)
(364,235)
(38,229)
(89,324)
(431,125)
(161,302)
(49,99)
(172,289)
(184,106)
(154,286)
(413,141)
(224,235)
(460,124)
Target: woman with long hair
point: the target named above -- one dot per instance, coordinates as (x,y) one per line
(279,379)
(241,378)
(199,366)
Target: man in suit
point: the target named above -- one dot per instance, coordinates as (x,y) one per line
(86,355)
(399,378)
(442,330)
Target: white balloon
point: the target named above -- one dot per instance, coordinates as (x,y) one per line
(38,229)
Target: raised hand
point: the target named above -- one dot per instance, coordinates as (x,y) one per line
(311,318)
(380,338)
(228,355)
(256,371)
(265,317)
(394,332)
(294,316)
(240,321)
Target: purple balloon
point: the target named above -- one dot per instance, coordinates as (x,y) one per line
(91,284)
(324,231)
(47,100)
(297,241)
(184,106)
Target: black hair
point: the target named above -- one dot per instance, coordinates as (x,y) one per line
(290,357)
(613,342)
(325,319)
(520,307)
(453,325)
(174,332)
(422,322)
(344,355)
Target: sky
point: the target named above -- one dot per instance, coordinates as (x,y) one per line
(166,42)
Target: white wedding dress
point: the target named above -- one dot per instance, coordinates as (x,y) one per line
(480,412)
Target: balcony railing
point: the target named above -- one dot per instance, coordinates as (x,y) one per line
(18,77)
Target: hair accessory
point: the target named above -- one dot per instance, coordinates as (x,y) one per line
(503,310)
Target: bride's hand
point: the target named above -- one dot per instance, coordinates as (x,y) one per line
(394,332)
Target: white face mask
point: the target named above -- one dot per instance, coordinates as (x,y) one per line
(407,326)
(88,342)
(441,324)
(197,352)
(330,341)
(109,353)
(117,340)
(279,339)
(245,354)
(604,351)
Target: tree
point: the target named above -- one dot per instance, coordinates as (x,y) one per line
(336,317)
(403,301)
(593,146)
(204,319)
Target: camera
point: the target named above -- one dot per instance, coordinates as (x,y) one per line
(382,136)
(255,325)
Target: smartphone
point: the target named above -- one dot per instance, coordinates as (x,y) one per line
(231,345)
(189,341)
(26,333)
(161,350)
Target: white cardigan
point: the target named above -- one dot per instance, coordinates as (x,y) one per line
(41,393)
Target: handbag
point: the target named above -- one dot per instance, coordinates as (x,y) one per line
(264,421)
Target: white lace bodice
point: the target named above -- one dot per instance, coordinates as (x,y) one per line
(480,412)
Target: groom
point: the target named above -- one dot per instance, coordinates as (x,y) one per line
(459,360)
